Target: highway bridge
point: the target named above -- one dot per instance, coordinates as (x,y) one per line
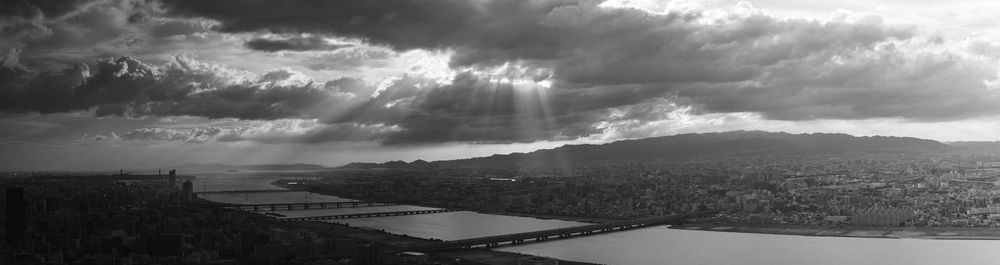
(553,234)
(241,191)
(270,207)
(364,215)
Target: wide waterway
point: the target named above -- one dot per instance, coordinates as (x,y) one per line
(653,245)
(245,180)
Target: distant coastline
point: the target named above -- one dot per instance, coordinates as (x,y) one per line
(945,233)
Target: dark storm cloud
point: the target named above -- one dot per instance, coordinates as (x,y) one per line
(583,42)
(23,20)
(297,43)
(48,92)
(413,109)
(743,61)
(425,111)
(54,34)
(169,28)
(923,86)
(602,62)
(404,24)
(47,8)
(126,87)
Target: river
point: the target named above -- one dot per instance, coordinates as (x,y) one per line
(653,245)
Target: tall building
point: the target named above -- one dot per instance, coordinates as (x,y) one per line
(188,191)
(17,218)
(173,179)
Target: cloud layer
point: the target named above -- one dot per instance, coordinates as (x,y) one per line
(124,86)
(295,43)
(744,60)
(519,71)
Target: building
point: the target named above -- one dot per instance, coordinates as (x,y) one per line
(881,216)
(188,191)
(17,216)
(173,179)
(368,254)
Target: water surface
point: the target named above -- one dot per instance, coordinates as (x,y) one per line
(457,225)
(652,245)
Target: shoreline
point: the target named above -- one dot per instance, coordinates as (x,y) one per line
(401,241)
(581,219)
(590,220)
(926,233)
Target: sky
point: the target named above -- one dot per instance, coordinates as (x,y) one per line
(138,84)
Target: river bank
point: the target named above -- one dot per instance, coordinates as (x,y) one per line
(582,219)
(954,233)
(399,242)
(396,242)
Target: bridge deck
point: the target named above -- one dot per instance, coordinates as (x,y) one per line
(269,207)
(364,215)
(560,233)
(241,191)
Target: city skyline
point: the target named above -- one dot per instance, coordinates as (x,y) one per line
(138,84)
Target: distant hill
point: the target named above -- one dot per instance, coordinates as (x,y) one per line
(225,167)
(418,164)
(692,146)
(981,147)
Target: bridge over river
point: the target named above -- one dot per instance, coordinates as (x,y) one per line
(560,233)
(364,215)
(271,207)
(485,242)
(242,191)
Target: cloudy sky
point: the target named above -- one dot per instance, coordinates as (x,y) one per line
(98,84)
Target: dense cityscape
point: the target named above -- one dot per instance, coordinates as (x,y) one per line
(160,218)
(910,191)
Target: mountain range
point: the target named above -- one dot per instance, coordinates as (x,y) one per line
(694,146)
